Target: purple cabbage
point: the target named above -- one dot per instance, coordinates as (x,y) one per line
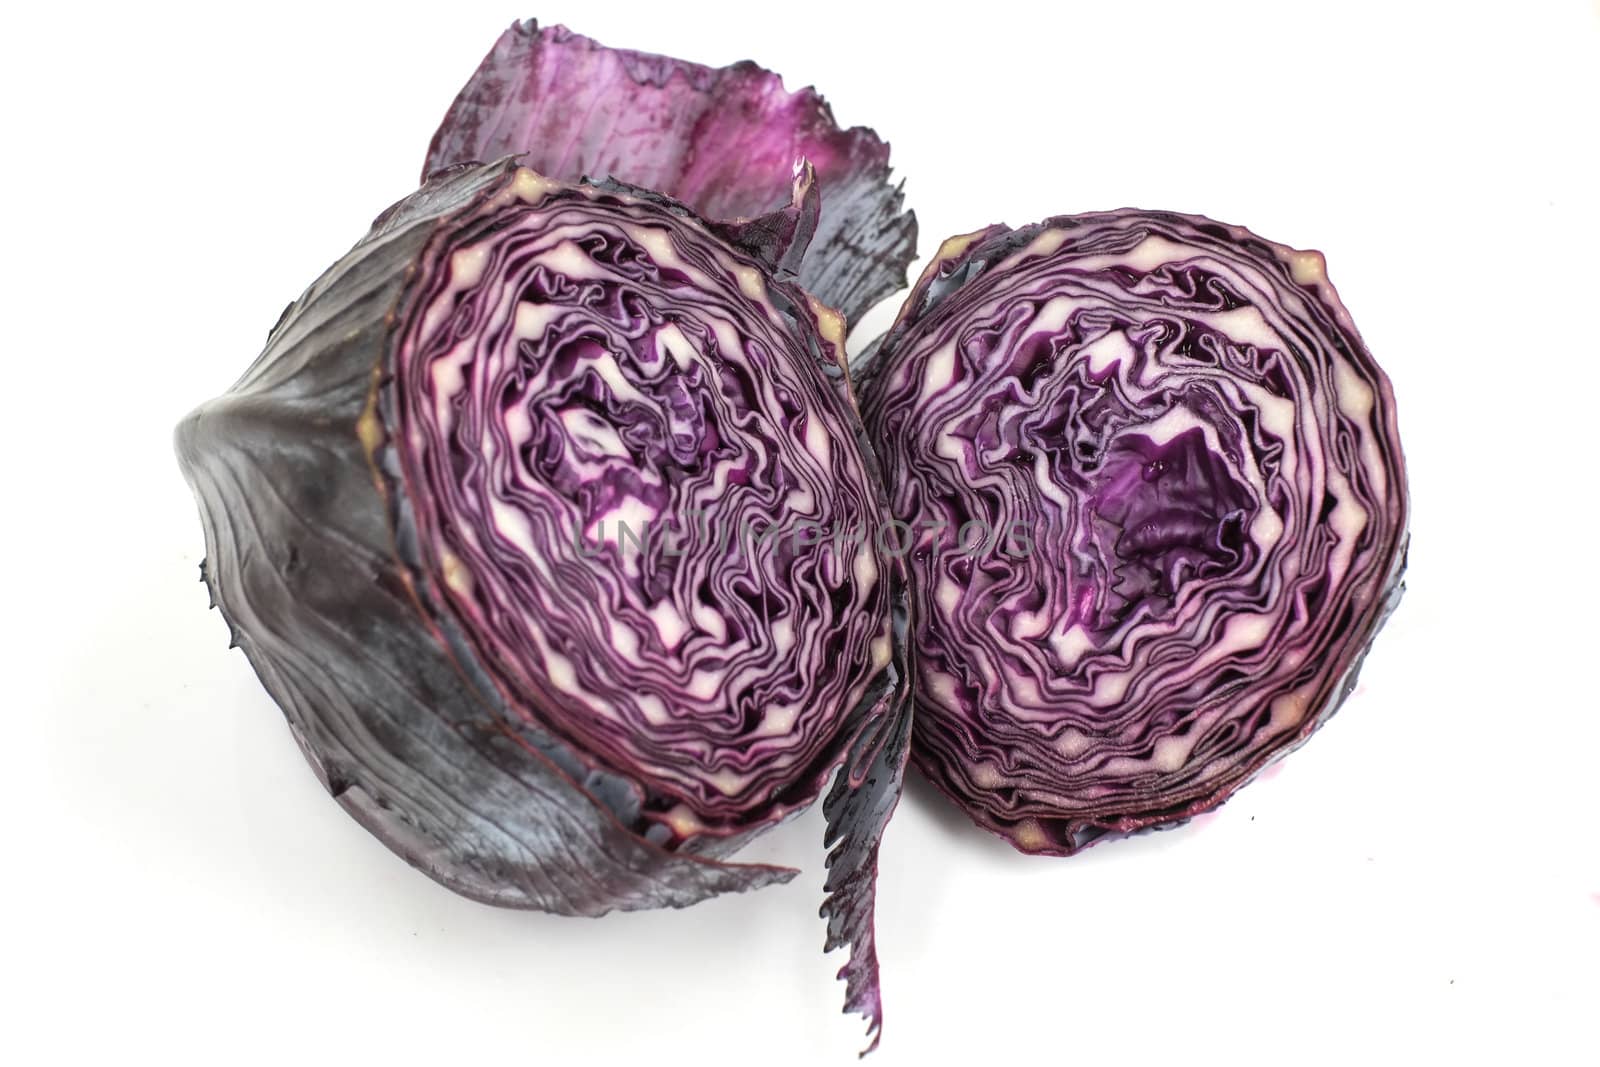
(718,139)
(491,517)
(549,519)
(1161,512)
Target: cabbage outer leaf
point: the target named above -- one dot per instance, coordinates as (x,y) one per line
(717,139)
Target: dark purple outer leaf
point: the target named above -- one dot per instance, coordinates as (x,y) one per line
(858,807)
(390,496)
(718,139)
(1187,508)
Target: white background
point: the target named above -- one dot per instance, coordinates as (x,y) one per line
(1420,884)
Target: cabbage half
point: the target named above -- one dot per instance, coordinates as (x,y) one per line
(503,518)
(1160,508)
